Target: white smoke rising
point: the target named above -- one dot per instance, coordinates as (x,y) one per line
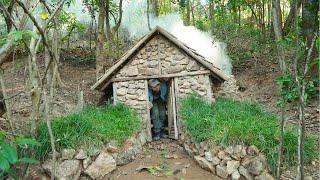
(136,23)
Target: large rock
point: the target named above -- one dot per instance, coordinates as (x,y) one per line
(222,171)
(255,165)
(244,172)
(204,163)
(67,154)
(126,156)
(232,166)
(86,162)
(103,165)
(235,175)
(68,169)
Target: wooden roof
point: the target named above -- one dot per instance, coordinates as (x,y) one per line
(105,79)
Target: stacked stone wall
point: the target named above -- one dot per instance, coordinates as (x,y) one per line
(159,56)
(133,94)
(187,85)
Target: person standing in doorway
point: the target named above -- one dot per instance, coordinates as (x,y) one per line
(157,104)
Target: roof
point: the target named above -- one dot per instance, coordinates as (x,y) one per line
(105,79)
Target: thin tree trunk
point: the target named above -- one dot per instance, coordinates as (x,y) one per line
(100,55)
(148,11)
(281,144)
(187,23)
(35,92)
(6,101)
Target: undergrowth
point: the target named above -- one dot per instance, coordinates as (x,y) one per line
(228,122)
(90,128)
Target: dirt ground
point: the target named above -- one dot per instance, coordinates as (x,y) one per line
(163,159)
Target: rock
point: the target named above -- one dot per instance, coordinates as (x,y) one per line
(229,150)
(121,91)
(223,155)
(252,150)
(126,156)
(103,165)
(204,163)
(86,162)
(67,154)
(255,165)
(222,171)
(112,147)
(81,155)
(188,149)
(237,153)
(232,166)
(132,71)
(308,178)
(215,160)
(235,175)
(208,156)
(266,176)
(243,171)
(68,169)
(142,138)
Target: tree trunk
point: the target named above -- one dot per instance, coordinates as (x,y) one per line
(100,54)
(276,19)
(148,11)
(289,23)
(187,21)
(5,100)
(310,22)
(211,15)
(35,92)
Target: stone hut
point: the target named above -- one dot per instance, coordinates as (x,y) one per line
(160,55)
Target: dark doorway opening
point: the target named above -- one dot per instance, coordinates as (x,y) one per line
(169,125)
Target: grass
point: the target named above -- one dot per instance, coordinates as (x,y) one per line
(228,122)
(90,129)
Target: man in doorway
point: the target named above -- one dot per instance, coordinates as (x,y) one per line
(157,104)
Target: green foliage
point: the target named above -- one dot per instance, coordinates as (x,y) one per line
(10,155)
(90,129)
(18,36)
(289,90)
(228,122)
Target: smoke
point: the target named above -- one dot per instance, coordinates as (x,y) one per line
(136,23)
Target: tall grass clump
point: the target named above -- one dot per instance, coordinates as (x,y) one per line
(227,122)
(90,128)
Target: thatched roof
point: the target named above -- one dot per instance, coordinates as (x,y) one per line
(106,78)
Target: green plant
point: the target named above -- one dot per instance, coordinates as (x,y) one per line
(12,155)
(289,89)
(228,122)
(90,129)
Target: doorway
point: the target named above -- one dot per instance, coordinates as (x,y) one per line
(165,112)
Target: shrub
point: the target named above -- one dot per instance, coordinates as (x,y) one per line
(90,129)
(228,122)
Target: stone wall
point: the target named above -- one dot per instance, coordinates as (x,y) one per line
(159,56)
(198,84)
(133,94)
(232,162)
(80,164)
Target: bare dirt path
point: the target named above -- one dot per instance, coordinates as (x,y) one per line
(163,159)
